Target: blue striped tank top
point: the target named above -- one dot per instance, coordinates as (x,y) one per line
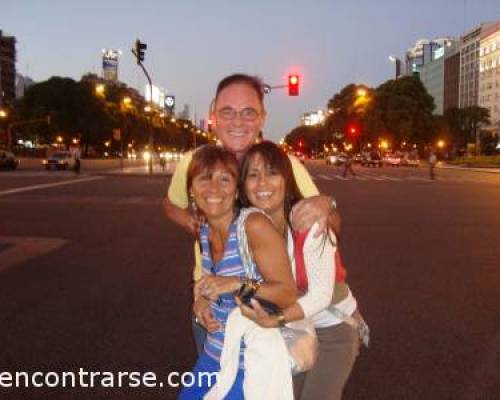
(229,265)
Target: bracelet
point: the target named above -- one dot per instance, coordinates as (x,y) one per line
(281,319)
(333,206)
(250,284)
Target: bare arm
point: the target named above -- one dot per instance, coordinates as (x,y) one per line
(269,252)
(181,216)
(316,209)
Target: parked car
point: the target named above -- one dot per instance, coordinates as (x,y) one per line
(336,159)
(410,160)
(59,160)
(372,159)
(392,159)
(8,160)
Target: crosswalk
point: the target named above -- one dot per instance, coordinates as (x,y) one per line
(385,178)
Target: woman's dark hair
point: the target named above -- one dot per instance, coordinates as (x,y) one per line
(206,158)
(274,159)
(253,81)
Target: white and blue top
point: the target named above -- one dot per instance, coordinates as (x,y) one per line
(229,265)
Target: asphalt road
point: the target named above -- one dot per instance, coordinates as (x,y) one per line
(92,276)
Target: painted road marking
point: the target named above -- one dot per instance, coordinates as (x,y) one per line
(47,185)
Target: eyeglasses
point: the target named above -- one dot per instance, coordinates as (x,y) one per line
(247,114)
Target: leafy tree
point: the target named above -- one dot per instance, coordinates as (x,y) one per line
(402,109)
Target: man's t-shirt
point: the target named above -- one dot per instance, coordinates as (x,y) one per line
(178,195)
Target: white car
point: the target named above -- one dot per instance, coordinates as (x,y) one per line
(393,160)
(59,160)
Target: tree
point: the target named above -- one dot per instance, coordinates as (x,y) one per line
(402,109)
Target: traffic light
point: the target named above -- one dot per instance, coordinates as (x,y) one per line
(353,131)
(139,50)
(293,85)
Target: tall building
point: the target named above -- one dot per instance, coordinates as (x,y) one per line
(469,67)
(451,77)
(22,84)
(422,52)
(489,73)
(432,74)
(7,69)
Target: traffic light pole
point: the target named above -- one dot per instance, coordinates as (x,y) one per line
(151,144)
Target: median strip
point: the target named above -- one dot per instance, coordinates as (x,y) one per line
(47,185)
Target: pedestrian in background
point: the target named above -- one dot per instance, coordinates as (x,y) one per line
(432,164)
(348,166)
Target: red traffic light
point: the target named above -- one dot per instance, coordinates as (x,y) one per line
(353,130)
(293,85)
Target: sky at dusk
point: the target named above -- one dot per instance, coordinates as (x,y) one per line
(192,44)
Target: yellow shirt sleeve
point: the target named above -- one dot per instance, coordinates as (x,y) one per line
(177,191)
(178,196)
(303,179)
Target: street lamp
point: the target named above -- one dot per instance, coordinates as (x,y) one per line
(99,89)
(127,101)
(441,144)
(361,92)
(3,113)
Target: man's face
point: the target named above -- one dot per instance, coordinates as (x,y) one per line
(239,117)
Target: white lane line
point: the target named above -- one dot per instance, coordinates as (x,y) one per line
(341,177)
(390,178)
(328,178)
(362,177)
(47,185)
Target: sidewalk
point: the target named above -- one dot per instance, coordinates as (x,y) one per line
(466,168)
(142,170)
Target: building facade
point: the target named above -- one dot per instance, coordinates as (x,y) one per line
(7,69)
(451,78)
(469,68)
(489,74)
(421,53)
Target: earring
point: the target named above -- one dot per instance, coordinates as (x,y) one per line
(193,203)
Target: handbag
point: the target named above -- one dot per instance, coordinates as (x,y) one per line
(299,336)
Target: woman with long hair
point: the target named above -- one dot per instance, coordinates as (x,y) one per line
(267,182)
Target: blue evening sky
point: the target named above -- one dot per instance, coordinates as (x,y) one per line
(192,44)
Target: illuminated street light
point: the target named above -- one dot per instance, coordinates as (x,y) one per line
(99,89)
(172,120)
(127,101)
(361,92)
(75,141)
(384,144)
(3,114)
(147,109)
(107,144)
(59,139)
(440,144)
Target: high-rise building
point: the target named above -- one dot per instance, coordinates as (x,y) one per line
(451,77)
(7,69)
(22,84)
(469,67)
(422,52)
(489,73)
(432,74)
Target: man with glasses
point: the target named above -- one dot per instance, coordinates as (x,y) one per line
(239,116)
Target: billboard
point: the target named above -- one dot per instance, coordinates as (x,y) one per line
(158,96)
(110,64)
